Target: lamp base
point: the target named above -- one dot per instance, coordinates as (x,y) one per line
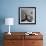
(9,33)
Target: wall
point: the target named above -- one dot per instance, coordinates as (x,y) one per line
(9,8)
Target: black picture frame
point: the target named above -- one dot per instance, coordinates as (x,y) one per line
(27,15)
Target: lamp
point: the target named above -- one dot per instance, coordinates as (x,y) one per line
(9,21)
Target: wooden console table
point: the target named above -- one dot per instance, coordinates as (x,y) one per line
(20,39)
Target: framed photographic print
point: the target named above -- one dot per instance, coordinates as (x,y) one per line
(27,15)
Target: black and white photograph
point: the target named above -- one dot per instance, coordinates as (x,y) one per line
(27,15)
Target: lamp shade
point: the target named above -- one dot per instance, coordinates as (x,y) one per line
(9,21)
